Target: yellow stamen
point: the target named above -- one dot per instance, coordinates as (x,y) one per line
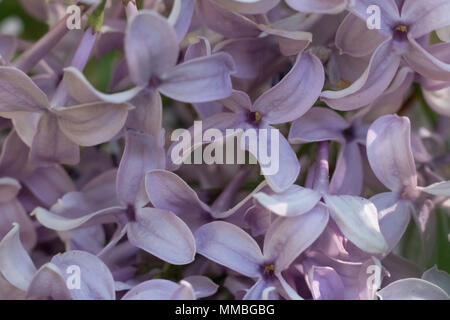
(401,28)
(343,84)
(269,268)
(257,116)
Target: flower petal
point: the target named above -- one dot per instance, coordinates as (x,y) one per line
(151,46)
(393,215)
(389,152)
(318,124)
(156,289)
(203,286)
(438,277)
(142,153)
(287,238)
(348,174)
(325,7)
(277,160)
(199,80)
(437,189)
(425,17)
(249,6)
(169,192)
(357,218)
(15,263)
(412,289)
(228,245)
(227,23)
(355,39)
(60,223)
(163,234)
(93,123)
(376,78)
(48,282)
(425,63)
(82,91)
(51,145)
(19,93)
(325,283)
(180,17)
(294,201)
(295,94)
(96,280)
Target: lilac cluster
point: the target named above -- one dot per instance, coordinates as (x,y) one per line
(93,205)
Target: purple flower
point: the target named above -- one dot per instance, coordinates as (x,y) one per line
(285,240)
(397,41)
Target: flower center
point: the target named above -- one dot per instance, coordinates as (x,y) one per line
(130,213)
(254,117)
(154,82)
(401,28)
(400,32)
(269,270)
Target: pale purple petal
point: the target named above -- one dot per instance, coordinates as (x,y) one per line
(230,246)
(438,277)
(425,17)
(325,283)
(294,201)
(225,22)
(295,94)
(389,152)
(51,145)
(163,234)
(19,93)
(81,123)
(15,263)
(151,47)
(412,289)
(348,174)
(96,280)
(318,124)
(394,215)
(81,90)
(142,153)
(357,218)
(325,6)
(48,282)
(287,238)
(249,6)
(376,78)
(203,286)
(157,289)
(199,80)
(425,63)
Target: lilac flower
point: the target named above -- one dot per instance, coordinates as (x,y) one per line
(248,39)
(157,231)
(190,288)
(113,221)
(286,101)
(325,6)
(356,217)
(434,285)
(286,238)
(169,192)
(246,7)
(390,157)
(49,281)
(154,67)
(320,124)
(397,40)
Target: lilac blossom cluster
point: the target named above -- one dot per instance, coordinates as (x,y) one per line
(92,205)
